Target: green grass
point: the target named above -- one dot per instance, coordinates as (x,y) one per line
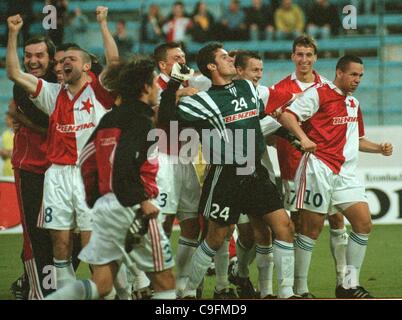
(381,273)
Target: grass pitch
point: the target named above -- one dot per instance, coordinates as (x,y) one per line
(381,273)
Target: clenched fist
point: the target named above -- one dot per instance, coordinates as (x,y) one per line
(15,23)
(386,149)
(101,13)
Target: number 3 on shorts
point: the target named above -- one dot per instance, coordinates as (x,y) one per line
(48,214)
(217,213)
(162,199)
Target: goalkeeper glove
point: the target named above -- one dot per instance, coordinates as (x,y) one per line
(181,72)
(136,231)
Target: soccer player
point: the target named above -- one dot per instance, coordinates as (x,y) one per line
(30,163)
(74,109)
(228,106)
(177,181)
(331,135)
(119,171)
(304,56)
(249,66)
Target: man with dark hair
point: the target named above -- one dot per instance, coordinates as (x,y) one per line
(177,181)
(304,56)
(332,134)
(74,109)
(231,107)
(122,137)
(29,163)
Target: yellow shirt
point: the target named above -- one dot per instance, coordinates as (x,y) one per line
(8,140)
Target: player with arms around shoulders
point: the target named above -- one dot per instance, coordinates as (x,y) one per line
(119,172)
(304,56)
(227,106)
(75,108)
(332,134)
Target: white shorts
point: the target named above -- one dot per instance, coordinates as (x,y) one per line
(64,206)
(289,201)
(179,188)
(110,226)
(320,190)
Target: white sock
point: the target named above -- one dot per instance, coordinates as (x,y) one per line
(338,245)
(121,284)
(355,253)
(164,295)
(140,278)
(265,264)
(221,266)
(303,252)
(64,272)
(284,264)
(185,251)
(244,257)
(200,263)
(111,295)
(77,290)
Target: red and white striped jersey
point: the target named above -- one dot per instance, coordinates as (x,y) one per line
(288,156)
(334,122)
(72,118)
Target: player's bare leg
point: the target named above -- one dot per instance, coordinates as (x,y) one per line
(168,224)
(62,249)
(163,283)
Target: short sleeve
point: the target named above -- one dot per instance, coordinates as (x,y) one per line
(105,97)
(306,105)
(277,99)
(269,125)
(45,96)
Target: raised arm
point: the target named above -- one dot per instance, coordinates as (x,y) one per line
(111,51)
(25,80)
(371,147)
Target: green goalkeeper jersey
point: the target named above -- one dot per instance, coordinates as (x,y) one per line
(228,122)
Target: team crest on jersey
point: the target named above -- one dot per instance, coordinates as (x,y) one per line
(87,105)
(350,103)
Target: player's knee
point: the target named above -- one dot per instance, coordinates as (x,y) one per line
(285,231)
(104,287)
(336,221)
(363,227)
(61,249)
(246,239)
(215,241)
(190,228)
